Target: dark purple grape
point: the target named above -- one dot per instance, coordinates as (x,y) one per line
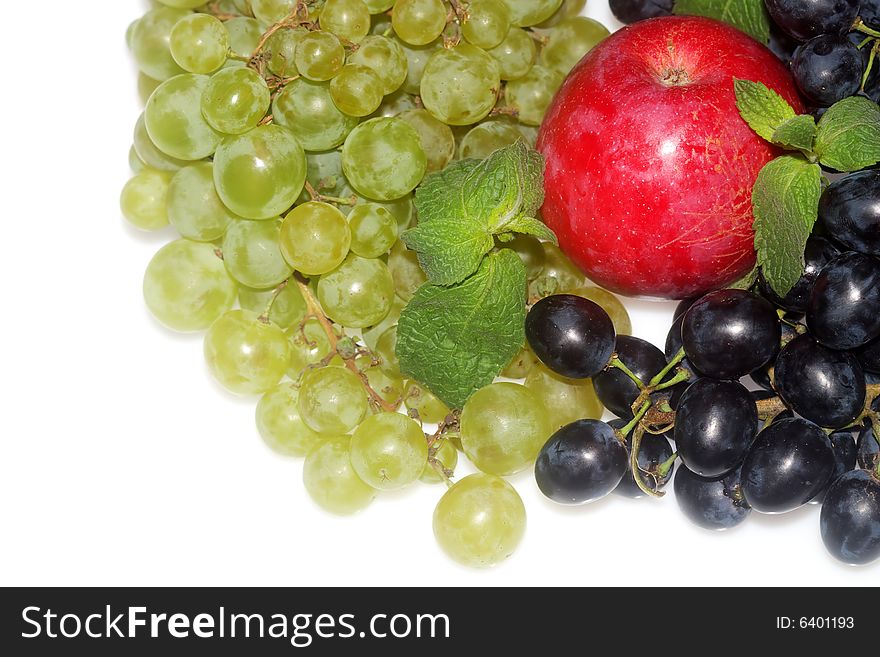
(850,518)
(789,463)
(869,356)
(845,453)
(632,11)
(818,253)
(683,306)
(711,503)
(828,68)
(867,448)
(654,451)
(714,426)
(850,211)
(782,45)
(870,13)
(581,462)
(670,396)
(825,386)
(761,376)
(805,19)
(729,333)
(616,390)
(571,335)
(673,346)
(844,310)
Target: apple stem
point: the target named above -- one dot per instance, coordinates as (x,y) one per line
(680,356)
(616,362)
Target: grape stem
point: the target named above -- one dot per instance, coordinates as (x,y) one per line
(671,365)
(664,468)
(681,376)
(276,293)
(316,312)
(634,448)
(315,195)
(859,26)
(870,66)
(619,364)
(459,12)
(625,431)
(213,8)
(450,422)
(299,16)
(768,409)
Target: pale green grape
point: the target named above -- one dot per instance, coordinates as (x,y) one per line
(406,271)
(260,174)
(521,365)
(150,42)
(243,7)
(371,335)
(416,59)
(135,163)
(348,19)
(425,403)
(503,427)
(143,199)
(386,58)
(418,21)
(570,41)
(558,274)
(309,345)
(484,139)
(331,481)
(383,159)
(244,36)
(174,119)
(373,230)
(146,87)
(183,4)
(389,451)
(402,209)
(524,13)
(288,307)
(272,11)
(280,424)
(388,385)
(356,90)
(194,208)
(515,55)
(530,95)
(460,85)
(252,253)
(129,33)
(149,154)
(358,293)
(319,56)
(325,175)
(235,100)
(332,400)
(385,350)
(199,43)
(480,521)
(315,238)
(531,252)
(565,400)
(487,23)
(308,111)
(397,103)
(530,133)
(568,9)
(186,286)
(436,138)
(610,304)
(379,6)
(246,355)
(281,50)
(447,455)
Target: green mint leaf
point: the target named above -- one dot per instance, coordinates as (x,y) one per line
(762,108)
(750,16)
(456,340)
(785,201)
(747,281)
(531,226)
(449,251)
(439,196)
(848,137)
(798,133)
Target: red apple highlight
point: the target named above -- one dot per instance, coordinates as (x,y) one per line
(649,166)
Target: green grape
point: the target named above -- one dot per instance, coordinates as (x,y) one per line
(568,9)
(530,95)
(315,238)
(358,293)
(383,159)
(244,36)
(260,174)
(325,176)
(397,103)
(521,365)
(386,58)
(419,21)
(446,455)
(194,208)
(272,11)
(308,111)
(401,209)
(436,138)
(515,55)
(287,309)
(530,251)
(372,335)
(319,56)
(570,41)
(135,163)
(425,403)
(530,133)
(388,385)
(246,355)
(309,345)
(385,350)
(252,253)
(610,304)
(243,7)
(389,451)
(405,270)
(347,19)
(503,427)
(480,521)
(280,424)
(199,43)
(487,23)
(484,139)
(558,275)
(183,4)
(330,480)
(129,33)
(143,199)
(151,39)
(460,85)
(416,59)
(280,49)
(235,100)
(332,400)
(524,13)
(565,400)
(149,154)
(146,87)
(379,6)
(356,90)
(174,119)
(186,287)
(373,230)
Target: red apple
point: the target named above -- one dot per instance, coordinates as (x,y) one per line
(649,166)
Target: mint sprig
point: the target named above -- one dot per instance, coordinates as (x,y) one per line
(750,16)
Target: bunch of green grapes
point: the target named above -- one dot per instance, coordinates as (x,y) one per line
(279,147)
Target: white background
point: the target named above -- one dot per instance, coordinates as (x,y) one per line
(124,464)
